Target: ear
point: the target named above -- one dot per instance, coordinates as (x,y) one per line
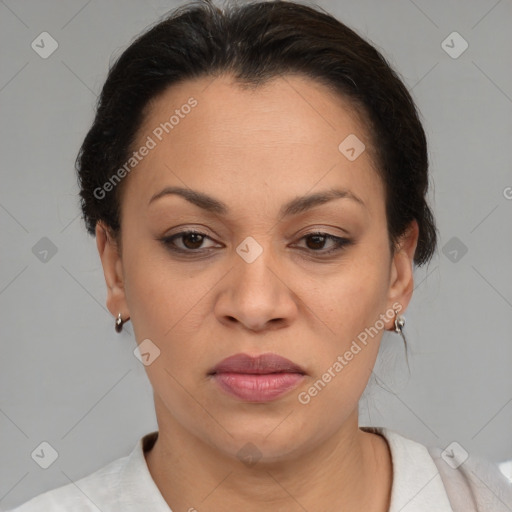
(111,261)
(401,283)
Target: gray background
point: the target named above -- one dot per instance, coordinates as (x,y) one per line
(67,378)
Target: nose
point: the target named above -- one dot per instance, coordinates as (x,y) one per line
(257,295)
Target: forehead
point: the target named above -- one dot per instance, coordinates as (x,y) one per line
(278,139)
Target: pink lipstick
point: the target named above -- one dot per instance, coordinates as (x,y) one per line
(257,379)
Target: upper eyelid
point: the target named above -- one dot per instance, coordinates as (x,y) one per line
(319,232)
(203,230)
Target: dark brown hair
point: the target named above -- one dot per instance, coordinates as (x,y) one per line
(256,42)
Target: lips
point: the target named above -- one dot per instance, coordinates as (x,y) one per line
(257,379)
(262,364)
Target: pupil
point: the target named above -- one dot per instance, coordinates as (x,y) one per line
(319,238)
(189,236)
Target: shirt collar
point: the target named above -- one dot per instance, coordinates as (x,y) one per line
(138,490)
(416,487)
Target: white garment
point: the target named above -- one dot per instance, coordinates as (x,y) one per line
(126,485)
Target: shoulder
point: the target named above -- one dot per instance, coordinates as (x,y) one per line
(472,479)
(88,494)
(464,482)
(122,485)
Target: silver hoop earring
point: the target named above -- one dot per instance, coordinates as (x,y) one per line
(119,323)
(399,322)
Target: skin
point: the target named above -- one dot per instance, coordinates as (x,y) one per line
(256,149)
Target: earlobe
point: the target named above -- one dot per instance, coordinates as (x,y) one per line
(110,256)
(401,284)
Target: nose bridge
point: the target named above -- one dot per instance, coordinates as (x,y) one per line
(257,293)
(256,262)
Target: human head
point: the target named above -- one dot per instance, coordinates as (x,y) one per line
(231,64)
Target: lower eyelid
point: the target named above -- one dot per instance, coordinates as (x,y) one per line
(339,242)
(169,241)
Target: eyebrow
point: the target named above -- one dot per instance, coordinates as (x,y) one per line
(294,207)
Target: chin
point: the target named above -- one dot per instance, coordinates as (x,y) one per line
(267,439)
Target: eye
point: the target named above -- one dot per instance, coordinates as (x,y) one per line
(317,241)
(191,241)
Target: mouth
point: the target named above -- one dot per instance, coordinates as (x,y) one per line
(257,379)
(259,365)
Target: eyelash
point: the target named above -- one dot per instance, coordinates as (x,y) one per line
(340,242)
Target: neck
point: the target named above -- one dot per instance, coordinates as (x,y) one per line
(349,471)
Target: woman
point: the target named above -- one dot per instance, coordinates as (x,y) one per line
(256,180)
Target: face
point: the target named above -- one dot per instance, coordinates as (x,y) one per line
(267,269)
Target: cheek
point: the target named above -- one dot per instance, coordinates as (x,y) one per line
(158,297)
(352,299)
(168,303)
(347,356)
(349,307)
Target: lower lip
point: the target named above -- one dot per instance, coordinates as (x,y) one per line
(257,387)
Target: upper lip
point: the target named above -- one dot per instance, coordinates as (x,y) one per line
(261,364)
